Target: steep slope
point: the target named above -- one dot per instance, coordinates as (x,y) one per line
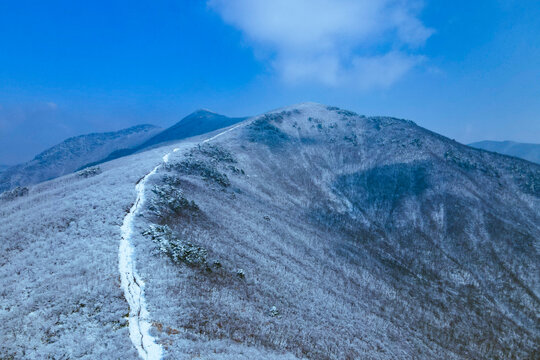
(71,154)
(525,151)
(308,232)
(197,123)
(327,235)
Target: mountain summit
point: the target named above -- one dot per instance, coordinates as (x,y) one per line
(199,122)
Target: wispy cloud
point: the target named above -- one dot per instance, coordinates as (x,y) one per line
(333,42)
(51,105)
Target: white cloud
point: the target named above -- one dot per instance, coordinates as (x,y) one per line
(333,42)
(51,105)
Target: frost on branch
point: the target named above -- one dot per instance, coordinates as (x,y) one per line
(14,193)
(179,251)
(202,168)
(169,200)
(89,172)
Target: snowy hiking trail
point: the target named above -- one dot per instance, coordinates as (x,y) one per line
(132,284)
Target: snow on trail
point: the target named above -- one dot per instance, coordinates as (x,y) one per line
(132,284)
(221,133)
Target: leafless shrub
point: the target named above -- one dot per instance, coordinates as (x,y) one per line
(14,193)
(89,172)
(168,201)
(179,251)
(202,168)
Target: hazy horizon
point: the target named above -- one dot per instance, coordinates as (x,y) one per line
(465,70)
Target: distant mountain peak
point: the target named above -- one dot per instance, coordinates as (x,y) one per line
(192,125)
(527,151)
(205,111)
(198,122)
(202,114)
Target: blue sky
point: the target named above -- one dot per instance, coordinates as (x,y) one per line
(469,70)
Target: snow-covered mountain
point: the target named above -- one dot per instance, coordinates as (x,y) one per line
(309,232)
(197,123)
(71,154)
(3,167)
(525,151)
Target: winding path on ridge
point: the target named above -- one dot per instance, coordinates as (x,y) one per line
(132,284)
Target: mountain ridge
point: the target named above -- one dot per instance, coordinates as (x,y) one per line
(70,154)
(307,232)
